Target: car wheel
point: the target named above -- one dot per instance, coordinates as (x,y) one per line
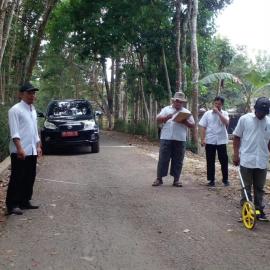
(95,147)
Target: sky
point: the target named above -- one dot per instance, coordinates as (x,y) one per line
(246,22)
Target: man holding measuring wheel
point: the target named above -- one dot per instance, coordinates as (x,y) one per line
(251,145)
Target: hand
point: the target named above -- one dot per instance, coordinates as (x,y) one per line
(236,159)
(166,118)
(21,154)
(203,142)
(39,151)
(215,110)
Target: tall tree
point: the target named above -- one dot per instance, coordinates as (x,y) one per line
(178,5)
(50,4)
(195,68)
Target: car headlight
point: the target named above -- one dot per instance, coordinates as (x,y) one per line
(89,124)
(49,125)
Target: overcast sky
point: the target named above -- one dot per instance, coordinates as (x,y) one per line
(246,22)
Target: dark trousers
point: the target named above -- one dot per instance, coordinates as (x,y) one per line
(210,150)
(173,151)
(257,179)
(22,178)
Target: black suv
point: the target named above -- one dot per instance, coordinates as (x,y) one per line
(70,122)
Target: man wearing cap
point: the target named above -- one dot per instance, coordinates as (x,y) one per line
(214,136)
(24,149)
(173,140)
(251,145)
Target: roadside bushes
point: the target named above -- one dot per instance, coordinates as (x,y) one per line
(141,128)
(4,132)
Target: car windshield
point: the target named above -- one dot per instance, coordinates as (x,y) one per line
(75,109)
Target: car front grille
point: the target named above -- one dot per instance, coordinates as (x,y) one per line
(67,127)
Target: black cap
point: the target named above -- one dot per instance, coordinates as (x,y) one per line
(262,105)
(28,87)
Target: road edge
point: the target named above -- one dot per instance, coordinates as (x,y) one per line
(4,165)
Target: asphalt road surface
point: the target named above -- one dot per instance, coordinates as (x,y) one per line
(99,211)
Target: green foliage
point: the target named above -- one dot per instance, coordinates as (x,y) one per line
(191,147)
(141,128)
(4,132)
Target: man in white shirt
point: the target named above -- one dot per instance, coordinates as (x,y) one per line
(251,145)
(214,137)
(24,149)
(173,140)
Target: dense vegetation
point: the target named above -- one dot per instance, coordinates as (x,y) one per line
(128,57)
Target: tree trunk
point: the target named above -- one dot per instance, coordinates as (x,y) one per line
(125,105)
(178,83)
(12,49)
(141,87)
(166,75)
(112,84)
(108,92)
(3,7)
(183,54)
(41,30)
(6,29)
(117,98)
(195,69)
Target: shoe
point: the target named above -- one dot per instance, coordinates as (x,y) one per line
(226,183)
(177,184)
(15,211)
(157,182)
(29,205)
(211,184)
(262,217)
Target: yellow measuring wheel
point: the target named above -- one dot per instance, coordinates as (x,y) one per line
(249,215)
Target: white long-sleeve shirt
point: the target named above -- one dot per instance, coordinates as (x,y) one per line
(22,119)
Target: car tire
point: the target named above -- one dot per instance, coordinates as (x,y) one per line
(95,147)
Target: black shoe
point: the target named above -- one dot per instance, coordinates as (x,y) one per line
(262,217)
(211,184)
(226,183)
(15,211)
(177,184)
(157,182)
(29,206)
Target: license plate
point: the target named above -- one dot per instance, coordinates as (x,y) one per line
(70,134)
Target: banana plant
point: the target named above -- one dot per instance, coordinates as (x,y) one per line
(220,77)
(253,85)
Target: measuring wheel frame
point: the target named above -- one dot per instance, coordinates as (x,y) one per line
(249,215)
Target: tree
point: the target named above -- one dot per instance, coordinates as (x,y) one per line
(195,69)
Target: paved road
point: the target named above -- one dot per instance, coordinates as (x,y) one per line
(99,211)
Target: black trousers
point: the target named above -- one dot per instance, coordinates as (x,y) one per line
(210,150)
(22,178)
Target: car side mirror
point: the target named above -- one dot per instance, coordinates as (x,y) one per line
(40,114)
(98,113)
